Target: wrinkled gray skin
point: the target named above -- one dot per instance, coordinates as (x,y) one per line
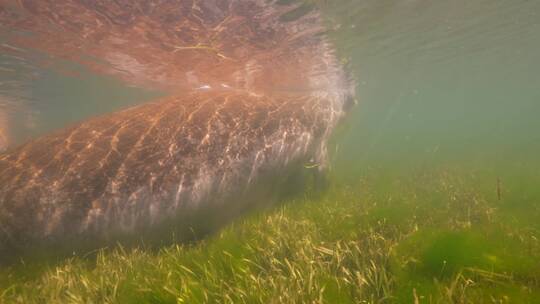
(271,100)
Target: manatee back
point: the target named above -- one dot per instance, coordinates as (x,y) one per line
(131,169)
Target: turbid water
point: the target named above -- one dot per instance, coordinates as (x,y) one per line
(435,171)
(439,84)
(452,82)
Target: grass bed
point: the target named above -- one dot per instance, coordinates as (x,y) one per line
(434,237)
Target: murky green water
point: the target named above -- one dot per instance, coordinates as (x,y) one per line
(438,82)
(36,99)
(442,82)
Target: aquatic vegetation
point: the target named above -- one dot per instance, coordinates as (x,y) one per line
(344,246)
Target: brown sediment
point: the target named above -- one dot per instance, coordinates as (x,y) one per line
(257,94)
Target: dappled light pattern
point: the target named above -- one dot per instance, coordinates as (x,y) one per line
(253,87)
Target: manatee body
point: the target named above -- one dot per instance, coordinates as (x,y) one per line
(257,94)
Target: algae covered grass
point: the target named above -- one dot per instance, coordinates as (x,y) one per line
(428,237)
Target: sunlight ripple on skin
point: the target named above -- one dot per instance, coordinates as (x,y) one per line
(4,132)
(249,94)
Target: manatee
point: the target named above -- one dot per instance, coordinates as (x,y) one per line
(253,87)
(4,135)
